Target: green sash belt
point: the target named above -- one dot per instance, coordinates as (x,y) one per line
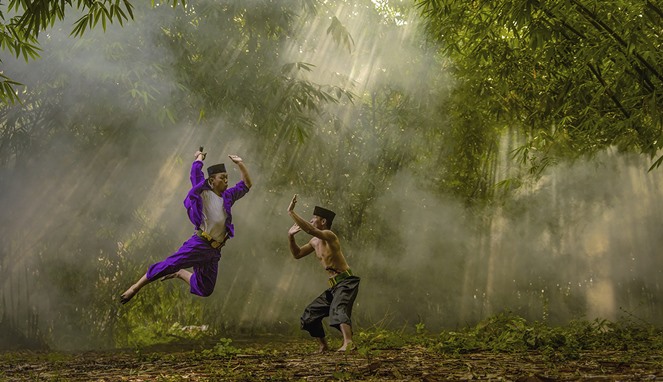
(336,279)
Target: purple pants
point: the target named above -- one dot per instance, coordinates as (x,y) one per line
(197,253)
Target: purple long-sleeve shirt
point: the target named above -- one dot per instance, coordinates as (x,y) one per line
(194,201)
(196,252)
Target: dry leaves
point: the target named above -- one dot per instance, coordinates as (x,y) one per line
(292,361)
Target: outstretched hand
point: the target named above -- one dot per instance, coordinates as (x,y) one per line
(235,158)
(294,229)
(200,155)
(293,202)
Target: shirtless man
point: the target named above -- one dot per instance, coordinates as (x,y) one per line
(208,205)
(336,302)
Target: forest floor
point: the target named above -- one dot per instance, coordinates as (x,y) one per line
(294,360)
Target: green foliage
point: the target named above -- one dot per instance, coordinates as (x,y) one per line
(223,348)
(379,338)
(156,332)
(150,333)
(340,34)
(253,91)
(119,11)
(574,77)
(506,332)
(19,34)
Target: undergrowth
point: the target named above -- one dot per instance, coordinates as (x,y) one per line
(509,333)
(501,333)
(506,332)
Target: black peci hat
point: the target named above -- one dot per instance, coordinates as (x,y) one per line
(325,214)
(215,169)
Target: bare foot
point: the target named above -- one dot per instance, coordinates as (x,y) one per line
(128,295)
(323,349)
(347,346)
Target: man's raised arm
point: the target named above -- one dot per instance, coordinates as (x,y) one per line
(242,169)
(197,174)
(306,226)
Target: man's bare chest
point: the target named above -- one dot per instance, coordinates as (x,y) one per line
(322,248)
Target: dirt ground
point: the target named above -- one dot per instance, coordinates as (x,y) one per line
(294,361)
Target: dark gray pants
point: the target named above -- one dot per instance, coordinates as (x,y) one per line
(335,303)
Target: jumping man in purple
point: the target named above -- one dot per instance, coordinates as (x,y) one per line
(208,205)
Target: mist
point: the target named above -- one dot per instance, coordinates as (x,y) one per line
(86,213)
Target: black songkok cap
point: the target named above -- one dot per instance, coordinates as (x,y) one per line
(217,168)
(325,214)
